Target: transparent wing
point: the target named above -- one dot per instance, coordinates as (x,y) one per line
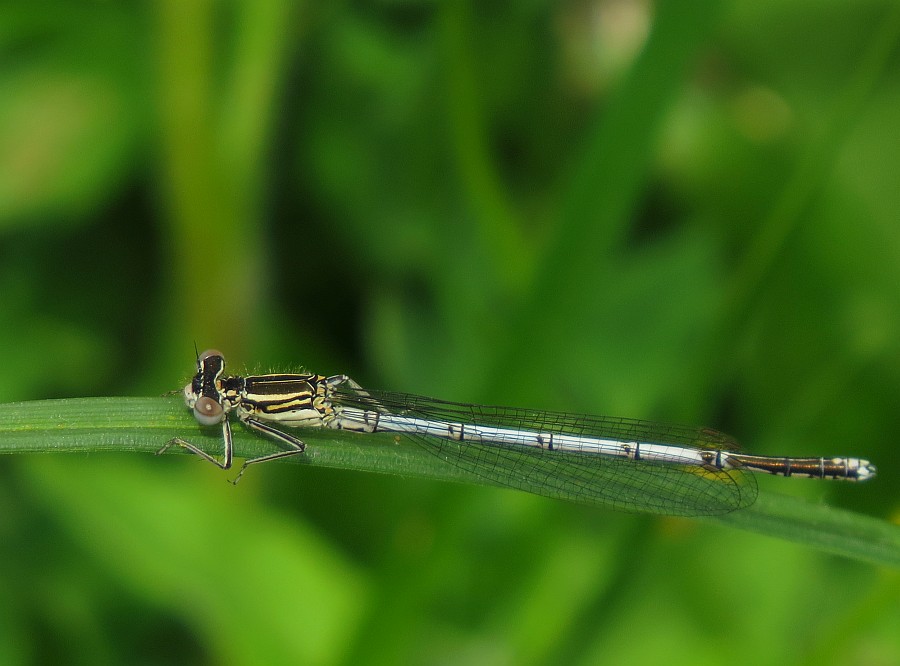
(588,478)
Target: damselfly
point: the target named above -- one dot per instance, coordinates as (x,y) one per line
(626,464)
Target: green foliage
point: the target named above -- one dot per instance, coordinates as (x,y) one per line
(684,212)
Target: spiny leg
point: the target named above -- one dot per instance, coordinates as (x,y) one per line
(297,446)
(229,447)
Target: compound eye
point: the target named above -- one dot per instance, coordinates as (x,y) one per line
(189,395)
(209,353)
(207,411)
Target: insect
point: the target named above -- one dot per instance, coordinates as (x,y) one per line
(622,463)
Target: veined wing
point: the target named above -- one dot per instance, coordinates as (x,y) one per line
(620,483)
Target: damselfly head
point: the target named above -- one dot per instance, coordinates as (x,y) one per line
(198,394)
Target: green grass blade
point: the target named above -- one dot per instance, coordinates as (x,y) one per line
(145,424)
(820,526)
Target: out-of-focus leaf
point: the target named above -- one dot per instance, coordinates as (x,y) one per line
(70,112)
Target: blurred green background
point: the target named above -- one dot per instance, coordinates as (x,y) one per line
(677,211)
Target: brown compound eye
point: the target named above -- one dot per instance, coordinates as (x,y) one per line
(210,352)
(207,411)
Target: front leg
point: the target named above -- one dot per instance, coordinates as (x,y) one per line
(226,437)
